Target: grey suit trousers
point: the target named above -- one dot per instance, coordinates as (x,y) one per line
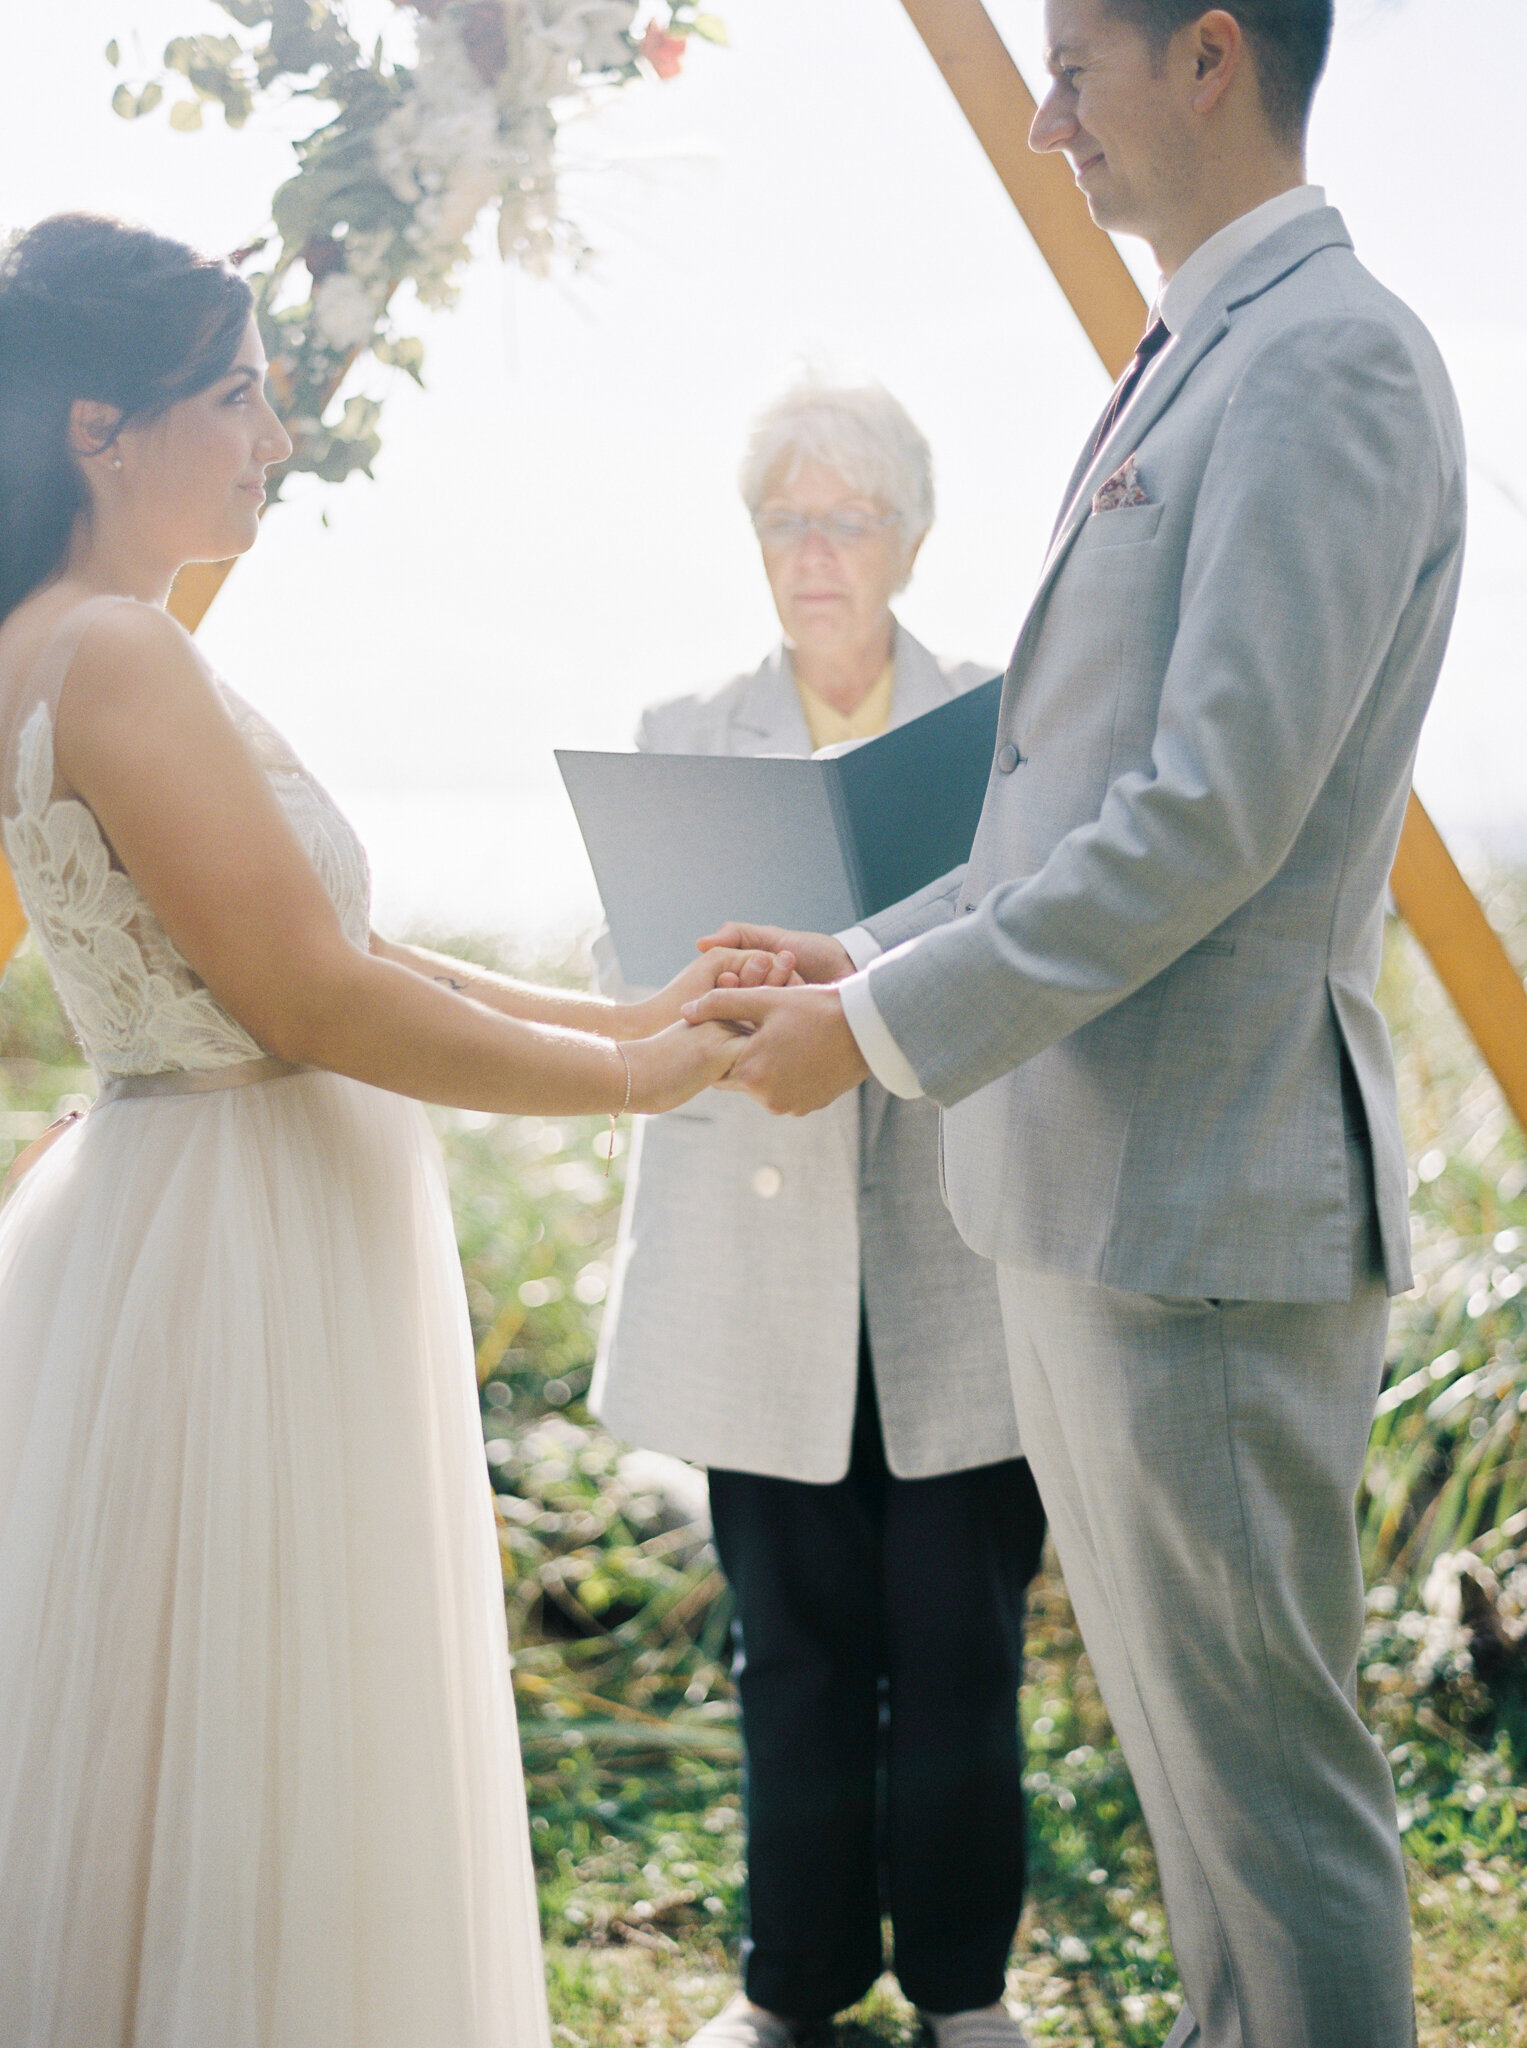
(1198,1462)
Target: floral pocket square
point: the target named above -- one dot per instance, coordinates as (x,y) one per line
(1122,488)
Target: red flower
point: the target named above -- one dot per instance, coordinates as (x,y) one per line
(665,53)
(485,35)
(322,254)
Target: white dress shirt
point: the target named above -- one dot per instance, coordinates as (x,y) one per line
(1181,295)
(1176,302)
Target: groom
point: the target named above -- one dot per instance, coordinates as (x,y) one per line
(1146,1005)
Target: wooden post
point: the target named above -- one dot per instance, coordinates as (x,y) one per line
(1432,896)
(963,42)
(1472,964)
(13,919)
(194,589)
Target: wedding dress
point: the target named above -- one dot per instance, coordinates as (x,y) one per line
(259,1780)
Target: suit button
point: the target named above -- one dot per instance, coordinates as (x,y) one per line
(1008,758)
(767,1182)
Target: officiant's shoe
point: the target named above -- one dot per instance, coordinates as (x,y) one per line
(742,2024)
(986,2026)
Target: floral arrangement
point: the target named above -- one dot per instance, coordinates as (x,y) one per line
(389,188)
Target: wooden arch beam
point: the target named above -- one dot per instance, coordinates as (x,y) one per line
(1432,896)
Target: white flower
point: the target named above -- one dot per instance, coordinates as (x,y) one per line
(344,311)
(579,34)
(603,24)
(366,256)
(441,151)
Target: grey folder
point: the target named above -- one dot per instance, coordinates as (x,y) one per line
(681,842)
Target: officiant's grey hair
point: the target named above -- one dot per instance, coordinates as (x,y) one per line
(859,430)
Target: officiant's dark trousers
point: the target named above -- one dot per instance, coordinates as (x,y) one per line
(879,1648)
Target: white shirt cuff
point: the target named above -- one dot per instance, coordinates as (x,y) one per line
(858,944)
(884,1057)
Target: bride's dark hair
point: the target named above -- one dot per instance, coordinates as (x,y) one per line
(93,308)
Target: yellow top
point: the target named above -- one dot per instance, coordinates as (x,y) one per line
(828,726)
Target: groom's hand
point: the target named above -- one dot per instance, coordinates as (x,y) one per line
(801,1054)
(720,967)
(816,956)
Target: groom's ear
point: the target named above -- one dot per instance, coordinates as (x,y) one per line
(1217,50)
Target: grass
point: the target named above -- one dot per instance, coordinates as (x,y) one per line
(620,1618)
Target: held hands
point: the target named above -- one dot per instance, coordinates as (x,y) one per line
(817,957)
(743,965)
(799,1055)
(671,1060)
(750,1022)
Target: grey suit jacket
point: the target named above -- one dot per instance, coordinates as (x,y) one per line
(1135,1001)
(732,1331)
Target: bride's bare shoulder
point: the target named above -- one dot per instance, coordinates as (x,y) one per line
(131,654)
(121,644)
(136,698)
(134,633)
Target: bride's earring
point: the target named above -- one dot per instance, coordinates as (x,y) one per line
(116,462)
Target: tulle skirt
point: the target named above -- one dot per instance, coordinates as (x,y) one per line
(259,1781)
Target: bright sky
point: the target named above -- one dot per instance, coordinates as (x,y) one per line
(554,538)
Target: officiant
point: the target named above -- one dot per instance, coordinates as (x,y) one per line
(793,1309)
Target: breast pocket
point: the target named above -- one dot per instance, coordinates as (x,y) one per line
(1126,527)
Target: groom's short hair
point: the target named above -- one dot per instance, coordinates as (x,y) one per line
(1289,41)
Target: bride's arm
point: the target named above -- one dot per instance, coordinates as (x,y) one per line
(727,967)
(143,738)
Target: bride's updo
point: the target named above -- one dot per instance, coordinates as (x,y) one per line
(92,308)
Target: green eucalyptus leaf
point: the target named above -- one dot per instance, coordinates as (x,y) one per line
(401,352)
(150,96)
(124,102)
(712,28)
(358,421)
(208,54)
(113,53)
(306,33)
(342,458)
(185,116)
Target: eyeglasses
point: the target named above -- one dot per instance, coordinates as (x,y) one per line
(838,529)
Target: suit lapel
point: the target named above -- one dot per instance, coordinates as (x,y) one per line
(1266,265)
(769,718)
(1158,388)
(1073,482)
(920,684)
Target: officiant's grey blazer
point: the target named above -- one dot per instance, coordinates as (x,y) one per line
(732,1331)
(1136,1000)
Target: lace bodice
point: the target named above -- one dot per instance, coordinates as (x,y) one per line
(135,1004)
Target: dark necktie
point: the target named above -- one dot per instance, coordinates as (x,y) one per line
(1152,342)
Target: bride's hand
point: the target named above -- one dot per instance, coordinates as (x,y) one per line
(667,1069)
(721,967)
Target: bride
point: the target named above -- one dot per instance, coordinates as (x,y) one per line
(259,1785)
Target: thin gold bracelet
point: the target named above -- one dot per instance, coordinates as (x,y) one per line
(616,1114)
